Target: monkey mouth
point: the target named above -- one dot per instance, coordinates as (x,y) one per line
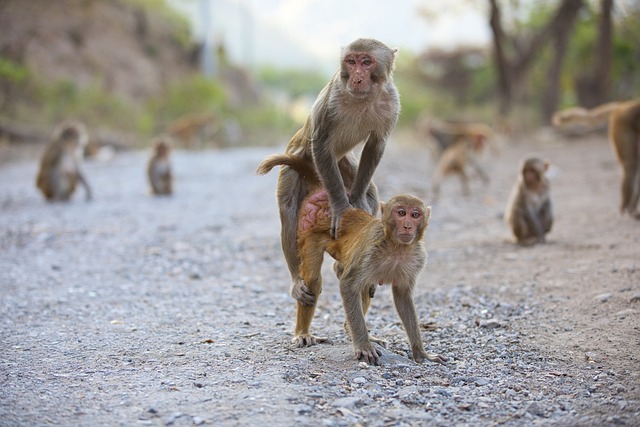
(405,238)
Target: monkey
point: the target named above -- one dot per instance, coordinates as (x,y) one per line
(589,118)
(368,251)
(624,134)
(529,212)
(460,144)
(359,105)
(192,130)
(159,167)
(60,164)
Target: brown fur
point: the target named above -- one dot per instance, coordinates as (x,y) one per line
(60,165)
(529,212)
(159,167)
(359,105)
(368,251)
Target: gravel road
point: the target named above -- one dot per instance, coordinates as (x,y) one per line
(135,310)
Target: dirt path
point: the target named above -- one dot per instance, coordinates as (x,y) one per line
(138,310)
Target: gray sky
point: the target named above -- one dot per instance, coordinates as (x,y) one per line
(309,33)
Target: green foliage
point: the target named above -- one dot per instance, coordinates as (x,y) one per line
(12,72)
(294,82)
(194,95)
(182,28)
(93,105)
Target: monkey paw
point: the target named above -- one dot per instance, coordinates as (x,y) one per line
(368,353)
(432,357)
(301,292)
(307,340)
(378,341)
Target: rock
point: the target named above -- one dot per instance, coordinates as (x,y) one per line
(534,408)
(347,402)
(635,297)
(604,297)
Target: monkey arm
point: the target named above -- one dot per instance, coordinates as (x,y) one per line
(371,155)
(85,184)
(327,166)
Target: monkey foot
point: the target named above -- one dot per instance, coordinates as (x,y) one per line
(368,353)
(432,357)
(377,340)
(307,340)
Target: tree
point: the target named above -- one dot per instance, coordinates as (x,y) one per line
(512,72)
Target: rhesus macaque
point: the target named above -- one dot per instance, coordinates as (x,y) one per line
(624,133)
(589,118)
(360,104)
(159,167)
(192,130)
(61,162)
(368,251)
(529,211)
(463,143)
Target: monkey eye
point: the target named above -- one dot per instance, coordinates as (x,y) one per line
(402,212)
(367,62)
(415,214)
(351,61)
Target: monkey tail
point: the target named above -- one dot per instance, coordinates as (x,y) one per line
(305,168)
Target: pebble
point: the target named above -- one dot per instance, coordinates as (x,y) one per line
(604,297)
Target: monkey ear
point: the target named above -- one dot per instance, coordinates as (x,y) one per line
(547,164)
(382,205)
(427,212)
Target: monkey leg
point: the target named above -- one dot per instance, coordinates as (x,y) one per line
(403,301)
(352,300)
(311,256)
(290,192)
(366,303)
(624,141)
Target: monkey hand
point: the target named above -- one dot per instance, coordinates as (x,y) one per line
(301,292)
(336,216)
(368,353)
(360,203)
(420,355)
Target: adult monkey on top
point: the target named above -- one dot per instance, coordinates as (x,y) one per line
(359,105)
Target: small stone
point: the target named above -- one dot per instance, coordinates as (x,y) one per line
(363,365)
(347,402)
(534,408)
(359,380)
(635,297)
(197,421)
(604,297)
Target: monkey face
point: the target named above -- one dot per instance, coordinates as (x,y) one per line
(357,69)
(408,223)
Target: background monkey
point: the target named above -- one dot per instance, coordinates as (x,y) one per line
(529,208)
(60,165)
(624,134)
(159,167)
(360,104)
(368,250)
(463,143)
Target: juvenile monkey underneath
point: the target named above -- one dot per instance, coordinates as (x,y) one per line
(61,163)
(159,167)
(368,251)
(529,213)
(359,105)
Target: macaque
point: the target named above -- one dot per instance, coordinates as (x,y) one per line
(368,251)
(60,165)
(159,167)
(192,130)
(624,134)
(529,208)
(463,143)
(359,105)
(583,117)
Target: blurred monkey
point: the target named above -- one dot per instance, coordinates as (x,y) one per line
(159,167)
(60,166)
